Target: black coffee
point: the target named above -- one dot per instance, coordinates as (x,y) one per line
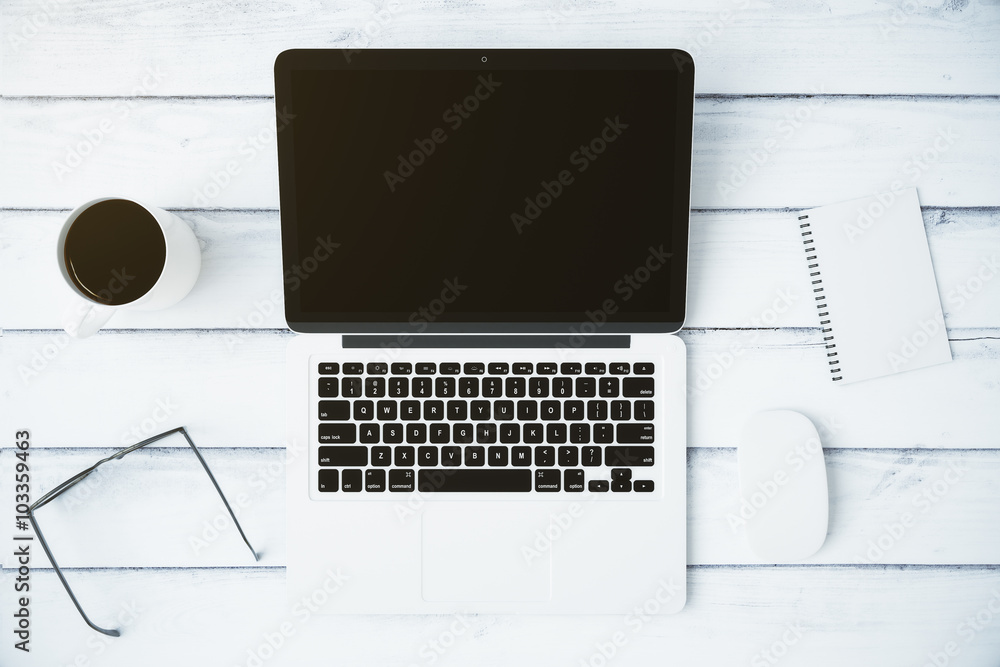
(115,251)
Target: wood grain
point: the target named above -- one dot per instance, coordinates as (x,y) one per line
(744,267)
(825,615)
(220,153)
(849,46)
(887,507)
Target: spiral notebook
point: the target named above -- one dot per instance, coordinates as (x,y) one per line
(873,282)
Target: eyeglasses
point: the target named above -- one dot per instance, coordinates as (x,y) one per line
(79,477)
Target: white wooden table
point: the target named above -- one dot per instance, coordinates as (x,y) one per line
(152,99)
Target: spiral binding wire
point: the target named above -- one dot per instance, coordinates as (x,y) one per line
(821,305)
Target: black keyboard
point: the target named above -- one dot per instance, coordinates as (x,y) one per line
(450,427)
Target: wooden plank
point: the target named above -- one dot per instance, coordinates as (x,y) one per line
(847,46)
(219,153)
(228,388)
(887,507)
(804,616)
(745,267)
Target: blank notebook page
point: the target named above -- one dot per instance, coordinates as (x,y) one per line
(874,286)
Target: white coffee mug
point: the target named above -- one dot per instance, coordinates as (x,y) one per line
(181,266)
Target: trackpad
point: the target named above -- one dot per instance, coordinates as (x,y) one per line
(480,555)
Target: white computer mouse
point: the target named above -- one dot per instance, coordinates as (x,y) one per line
(783,494)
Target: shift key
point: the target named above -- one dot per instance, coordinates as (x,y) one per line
(356,456)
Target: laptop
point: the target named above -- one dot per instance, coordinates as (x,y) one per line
(485,256)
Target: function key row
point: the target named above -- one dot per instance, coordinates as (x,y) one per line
(497,368)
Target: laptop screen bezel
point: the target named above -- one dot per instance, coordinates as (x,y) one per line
(673,60)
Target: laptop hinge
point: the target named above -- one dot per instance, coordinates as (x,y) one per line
(488,341)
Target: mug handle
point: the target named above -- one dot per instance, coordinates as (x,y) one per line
(83,319)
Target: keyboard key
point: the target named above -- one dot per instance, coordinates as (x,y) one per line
(426,369)
(474,368)
(351,387)
(338,433)
(621,410)
(573,410)
(573,480)
(329,480)
(555,434)
(591,456)
(427,456)
(499,368)
(480,410)
(492,387)
(604,433)
(569,456)
(343,456)
(452,456)
(382,456)
(597,411)
(619,474)
(458,410)
(520,456)
(374,480)
(334,410)
(462,434)
(533,434)
(538,387)
(416,434)
(329,368)
(643,369)
(409,410)
(364,411)
(562,387)
(329,387)
(444,387)
(510,433)
(403,456)
(545,456)
(621,486)
(644,411)
(516,387)
(598,485)
(570,368)
(399,387)
(450,368)
(497,456)
(433,410)
(643,485)
(385,410)
(527,410)
(375,387)
(620,369)
(354,369)
(630,456)
(475,456)
(401,481)
(586,387)
(547,480)
(579,434)
(551,410)
(351,481)
(524,368)
(608,387)
(595,368)
(637,387)
(422,387)
(468,387)
(439,435)
(503,410)
(546,368)
(369,433)
(377,368)
(486,480)
(632,433)
(401,368)
(486,434)
(392,434)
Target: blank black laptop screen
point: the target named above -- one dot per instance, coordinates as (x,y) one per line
(545,198)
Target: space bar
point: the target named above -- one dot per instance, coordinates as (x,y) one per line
(475,481)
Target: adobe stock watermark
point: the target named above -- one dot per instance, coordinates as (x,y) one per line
(967,630)
(28,26)
(779,648)
(585,155)
(163,409)
(433,649)
(713,29)
(963,293)
(421,318)
(898,16)
(454,116)
(784,130)
(247,151)
(910,345)
(381,19)
(922,502)
(560,523)
(93,137)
